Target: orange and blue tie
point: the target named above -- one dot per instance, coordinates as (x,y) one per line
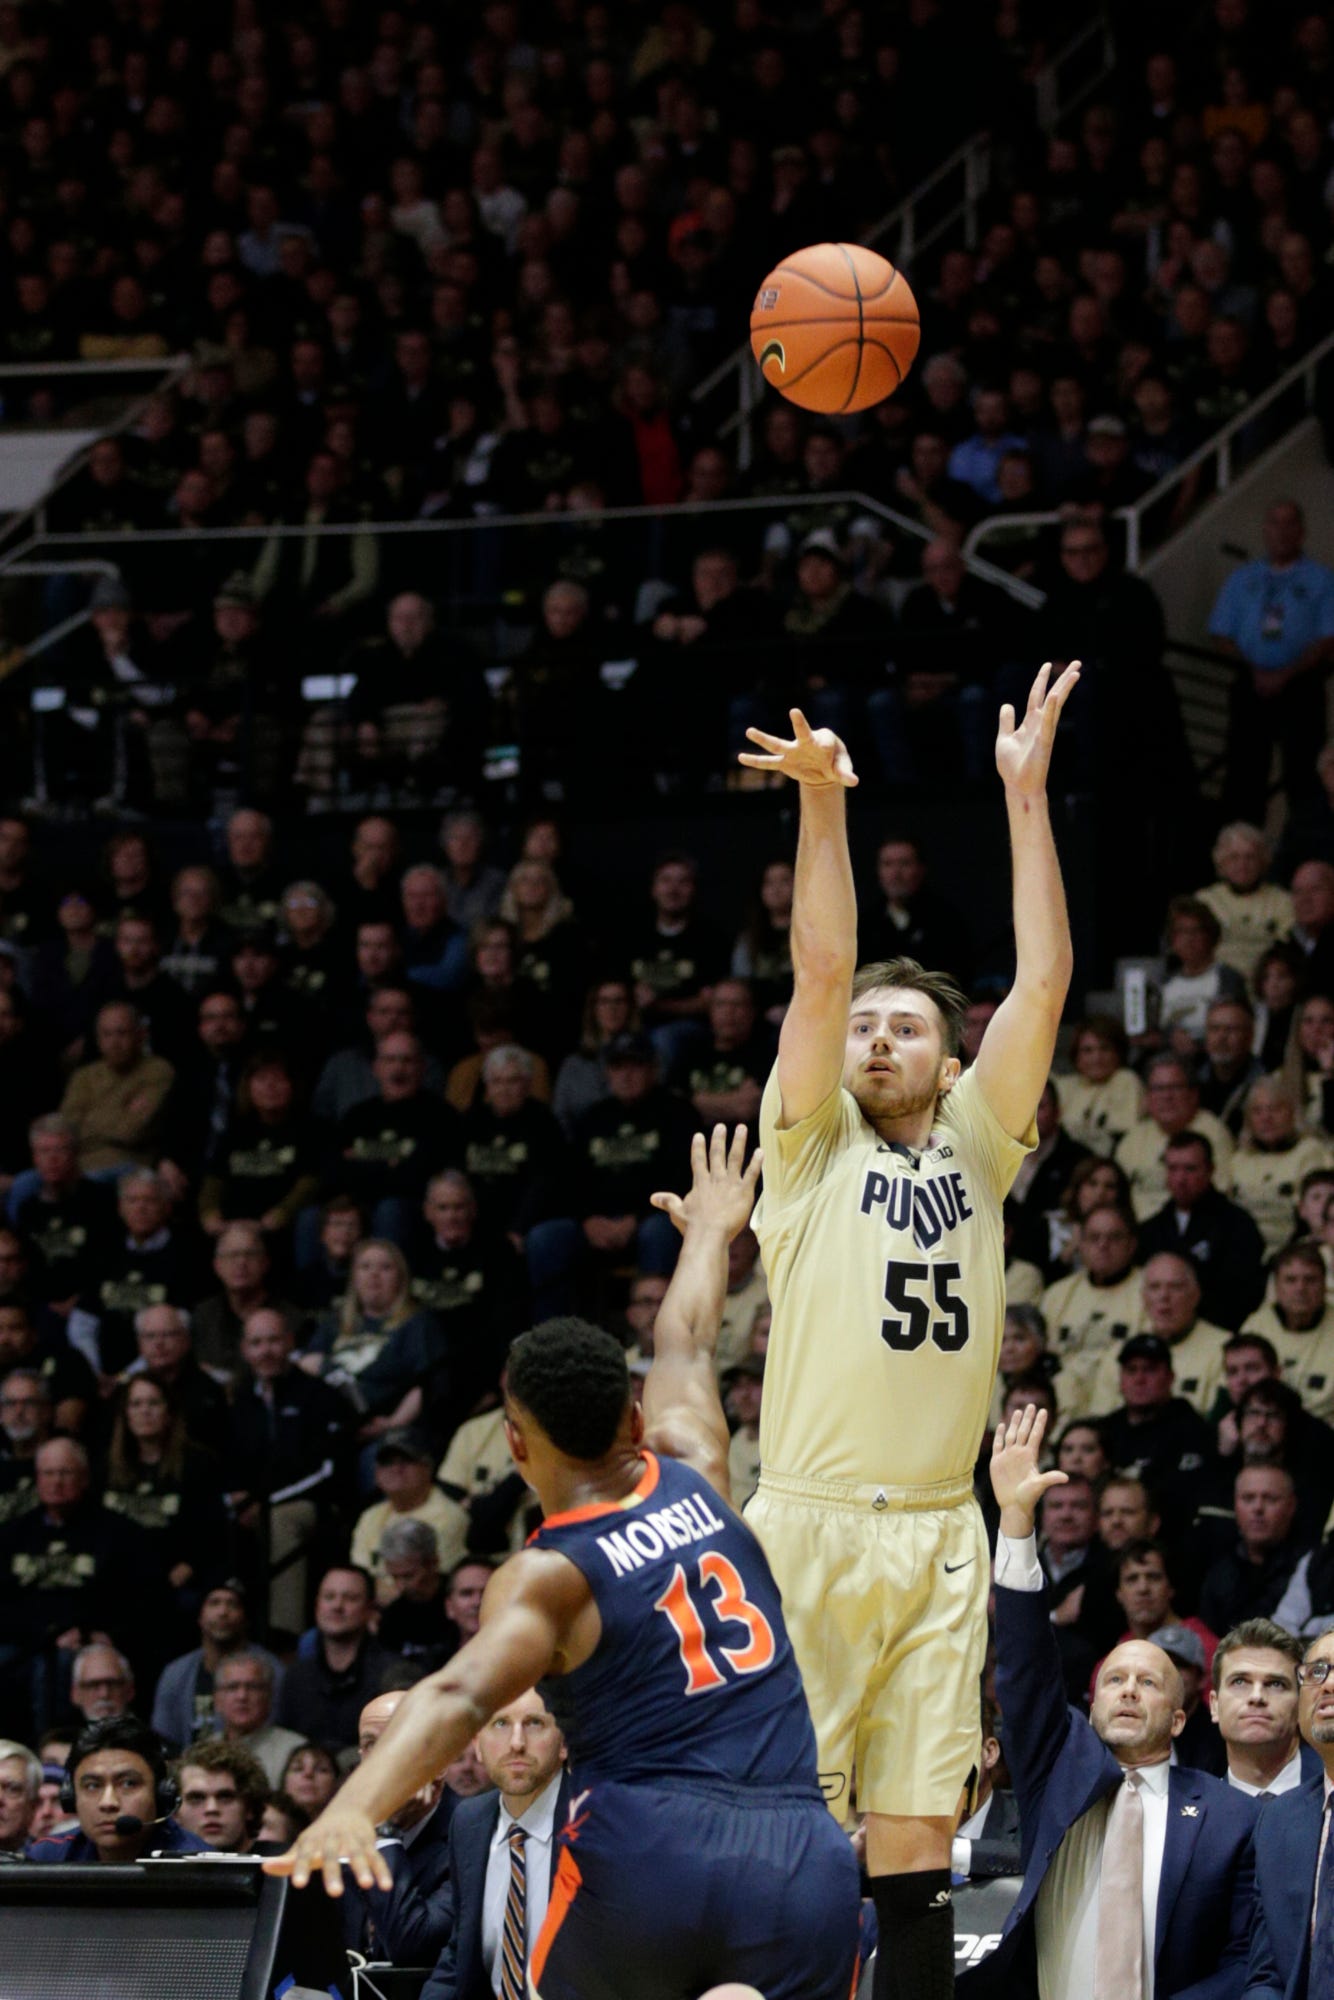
(514,1943)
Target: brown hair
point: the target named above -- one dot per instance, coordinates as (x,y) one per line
(1263,1635)
(944,993)
(124,1466)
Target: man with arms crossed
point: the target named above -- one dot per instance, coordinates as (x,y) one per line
(880,1225)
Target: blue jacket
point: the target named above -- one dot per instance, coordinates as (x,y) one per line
(462,1973)
(1287,1842)
(1060,1767)
(169,1838)
(409,1924)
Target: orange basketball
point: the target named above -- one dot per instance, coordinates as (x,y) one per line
(835,328)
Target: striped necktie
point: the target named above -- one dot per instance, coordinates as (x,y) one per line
(514,1943)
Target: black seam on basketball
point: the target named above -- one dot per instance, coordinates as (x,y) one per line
(819,285)
(791,381)
(892,356)
(888,286)
(861,325)
(781,325)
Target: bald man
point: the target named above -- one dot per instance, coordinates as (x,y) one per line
(1111,1829)
(409,1923)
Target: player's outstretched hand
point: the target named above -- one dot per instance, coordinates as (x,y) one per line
(814,757)
(1015,1478)
(1023,754)
(338,1835)
(722,1187)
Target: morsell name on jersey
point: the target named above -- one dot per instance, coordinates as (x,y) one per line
(657,1534)
(929,1208)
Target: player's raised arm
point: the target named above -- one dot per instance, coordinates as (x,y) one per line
(683,1415)
(527,1610)
(1017,1048)
(824,913)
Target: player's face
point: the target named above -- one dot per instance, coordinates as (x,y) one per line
(1256,1702)
(521,1748)
(896,1062)
(1136,1707)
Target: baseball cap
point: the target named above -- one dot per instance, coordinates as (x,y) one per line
(1180,1644)
(1145,1347)
(405,1442)
(629,1047)
(823,542)
(110,593)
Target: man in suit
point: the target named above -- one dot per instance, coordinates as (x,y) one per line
(410,1923)
(501,1849)
(987,1842)
(1292,1943)
(1108,1826)
(1254,1702)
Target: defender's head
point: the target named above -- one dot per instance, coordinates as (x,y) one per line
(567,1397)
(905,1029)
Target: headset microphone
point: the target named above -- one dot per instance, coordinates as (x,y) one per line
(129,1824)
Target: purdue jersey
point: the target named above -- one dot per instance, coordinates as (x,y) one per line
(1099,1115)
(1306,1360)
(886,1272)
(1269,1183)
(1250,923)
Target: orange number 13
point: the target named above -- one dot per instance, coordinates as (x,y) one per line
(732,1604)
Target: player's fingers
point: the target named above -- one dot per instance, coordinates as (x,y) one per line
(1037,694)
(280,1864)
(671,1204)
(1053,1479)
(801,729)
(1006,720)
(753,1171)
(765,740)
(1064,687)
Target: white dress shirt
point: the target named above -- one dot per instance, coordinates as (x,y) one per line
(1287,1780)
(961,1852)
(539,1824)
(1066,1912)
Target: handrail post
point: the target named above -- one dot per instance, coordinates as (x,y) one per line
(746,400)
(1224,464)
(1132,538)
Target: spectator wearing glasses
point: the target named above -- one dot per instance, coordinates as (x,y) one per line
(1172,1105)
(1292,1942)
(20,1783)
(243,1698)
(102,1683)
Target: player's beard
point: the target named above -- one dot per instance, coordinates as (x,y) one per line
(890,1099)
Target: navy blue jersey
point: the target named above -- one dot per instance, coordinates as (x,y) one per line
(694,1675)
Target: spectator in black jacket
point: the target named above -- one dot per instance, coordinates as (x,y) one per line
(1250,1580)
(478,1290)
(65,1214)
(1040,1188)
(912,921)
(203,1096)
(289,1451)
(514,1151)
(162,1335)
(150,1260)
(323,1696)
(1218,1235)
(638,1140)
(1156,1436)
(386,1150)
(68,1571)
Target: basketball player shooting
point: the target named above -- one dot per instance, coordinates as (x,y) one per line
(698,1851)
(880,1225)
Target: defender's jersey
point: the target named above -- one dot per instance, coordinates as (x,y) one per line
(694,1675)
(887,1276)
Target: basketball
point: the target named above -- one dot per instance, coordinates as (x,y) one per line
(835,328)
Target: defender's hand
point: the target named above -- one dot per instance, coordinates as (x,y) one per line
(722,1189)
(814,757)
(338,1835)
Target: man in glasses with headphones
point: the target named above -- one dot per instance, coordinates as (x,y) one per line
(117,1781)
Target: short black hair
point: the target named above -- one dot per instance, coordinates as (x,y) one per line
(573,1378)
(118,1732)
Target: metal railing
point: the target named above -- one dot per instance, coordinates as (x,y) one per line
(949,198)
(166,372)
(1209,470)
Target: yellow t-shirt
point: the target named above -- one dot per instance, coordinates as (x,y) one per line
(478,1459)
(1140,1155)
(1250,923)
(1099,1115)
(739,1310)
(438,1511)
(1023,1283)
(1268,1184)
(743,1465)
(887,1277)
(1085,1324)
(1306,1360)
(1197,1372)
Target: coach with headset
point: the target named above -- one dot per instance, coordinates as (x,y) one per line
(116,1780)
